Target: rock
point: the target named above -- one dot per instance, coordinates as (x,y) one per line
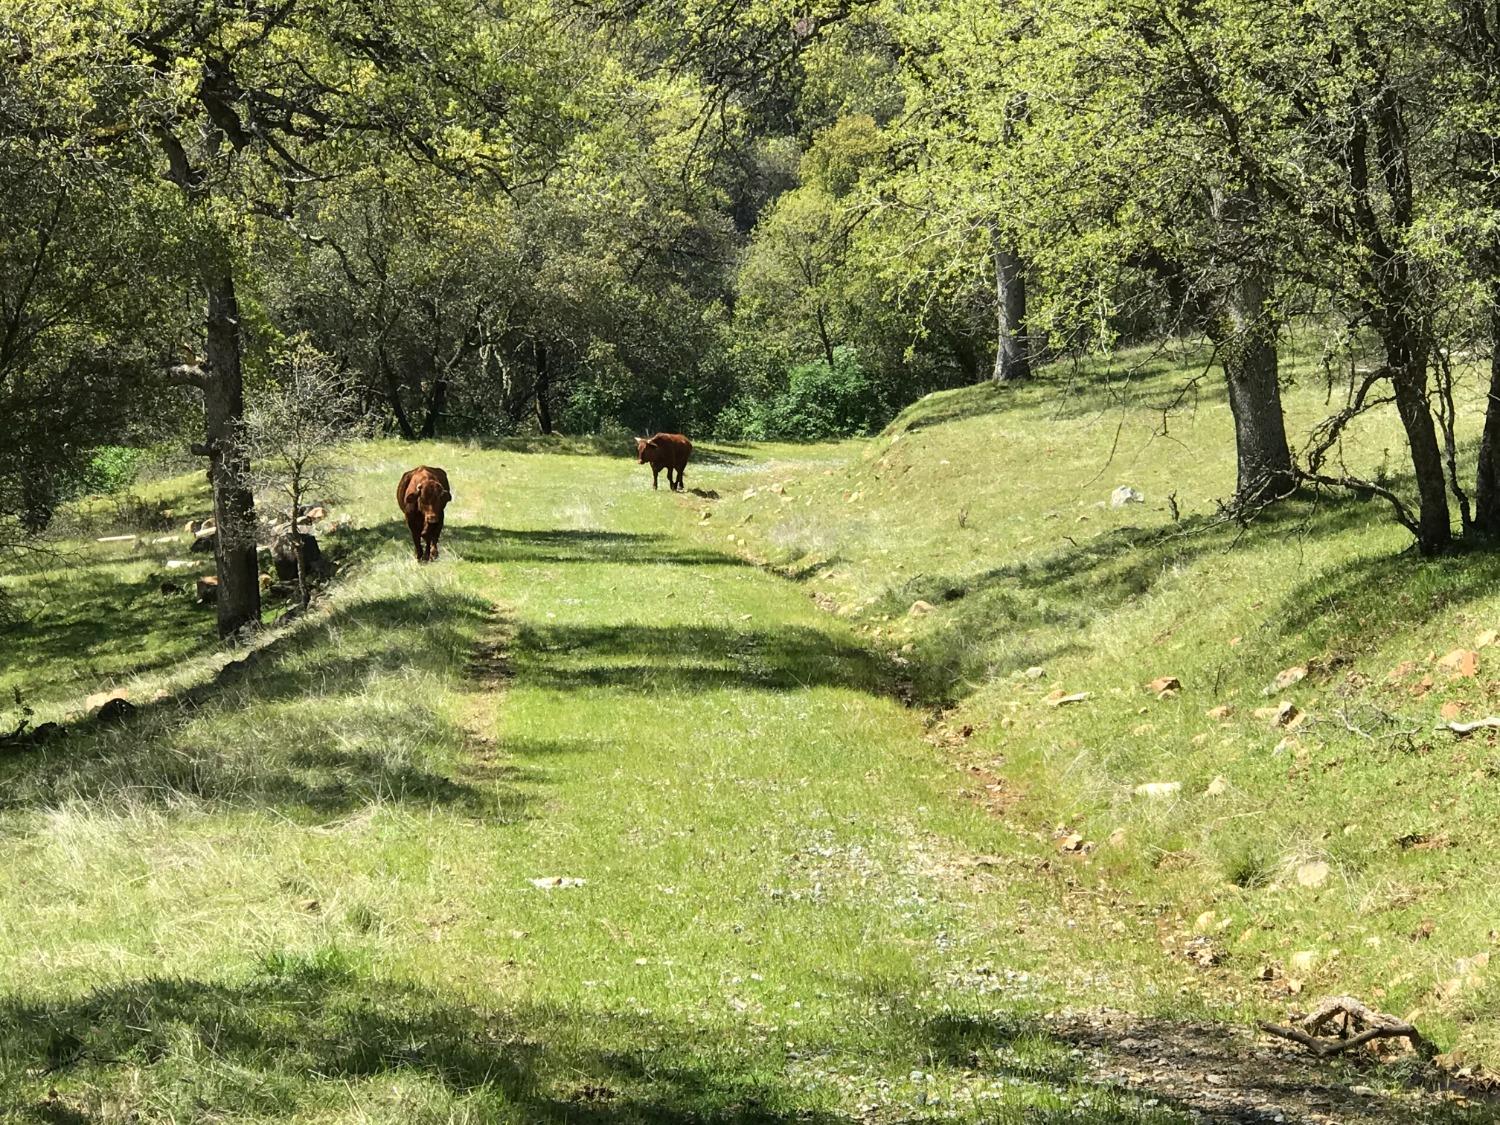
(284,556)
(1217,787)
(1060,698)
(1304,960)
(116,710)
(1157,790)
(208,590)
(1072,842)
(204,544)
(1125,495)
(116,538)
(1035,672)
(1164,686)
(181,564)
(100,698)
(1487,638)
(315,513)
(1313,874)
(1283,714)
(192,526)
(1220,714)
(1118,838)
(1287,677)
(919,608)
(553,882)
(1461,662)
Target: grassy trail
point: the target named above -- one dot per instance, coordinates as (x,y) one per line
(311,895)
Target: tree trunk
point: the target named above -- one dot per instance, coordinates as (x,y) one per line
(1487,486)
(393,396)
(1245,337)
(543,388)
(229,461)
(437,402)
(1012,348)
(823,336)
(1406,358)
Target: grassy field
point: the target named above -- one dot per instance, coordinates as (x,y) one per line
(817,836)
(301,887)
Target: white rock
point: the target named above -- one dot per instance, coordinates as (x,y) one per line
(1125,495)
(1158,789)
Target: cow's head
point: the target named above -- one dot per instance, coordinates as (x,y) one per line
(642,447)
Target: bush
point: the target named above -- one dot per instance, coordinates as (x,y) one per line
(111,469)
(821,401)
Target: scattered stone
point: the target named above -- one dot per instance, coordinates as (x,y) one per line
(1286,678)
(1487,638)
(116,710)
(1461,662)
(116,538)
(1217,787)
(1035,672)
(1060,698)
(1157,790)
(1282,715)
(1221,713)
(1072,842)
(1313,874)
(920,608)
(1304,960)
(1125,495)
(1164,686)
(555,882)
(208,590)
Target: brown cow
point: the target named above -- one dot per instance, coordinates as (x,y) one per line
(664,451)
(422,495)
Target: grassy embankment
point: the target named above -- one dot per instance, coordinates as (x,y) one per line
(1354,853)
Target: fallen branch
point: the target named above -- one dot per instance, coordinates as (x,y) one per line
(1364,1022)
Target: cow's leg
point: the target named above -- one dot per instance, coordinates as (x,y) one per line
(435,531)
(656,472)
(680,486)
(414,525)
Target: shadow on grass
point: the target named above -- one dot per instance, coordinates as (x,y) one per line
(1039,606)
(310,688)
(1144,381)
(481,543)
(310,1034)
(683,658)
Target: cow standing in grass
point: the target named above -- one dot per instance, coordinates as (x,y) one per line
(664,451)
(422,495)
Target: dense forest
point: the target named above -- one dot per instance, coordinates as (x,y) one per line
(739,218)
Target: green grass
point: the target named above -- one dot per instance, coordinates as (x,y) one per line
(299,888)
(990,505)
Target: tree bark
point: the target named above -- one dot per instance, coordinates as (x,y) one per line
(1406,358)
(1487,485)
(1012,346)
(229,461)
(393,395)
(543,388)
(1245,337)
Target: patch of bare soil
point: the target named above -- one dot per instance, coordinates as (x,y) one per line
(1227,1074)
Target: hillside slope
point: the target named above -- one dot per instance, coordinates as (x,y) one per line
(975,542)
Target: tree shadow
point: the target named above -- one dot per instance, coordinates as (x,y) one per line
(683,658)
(481,543)
(310,1032)
(1031,602)
(311,688)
